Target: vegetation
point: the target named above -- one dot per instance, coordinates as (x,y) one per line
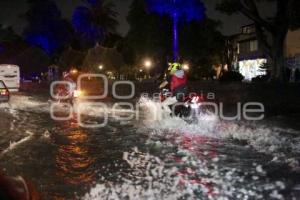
(200,42)
(94,21)
(151,29)
(231,76)
(46,28)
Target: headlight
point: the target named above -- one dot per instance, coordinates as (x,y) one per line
(77,93)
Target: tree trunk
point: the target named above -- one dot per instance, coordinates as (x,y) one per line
(278,61)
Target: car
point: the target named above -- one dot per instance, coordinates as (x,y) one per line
(4,92)
(10,75)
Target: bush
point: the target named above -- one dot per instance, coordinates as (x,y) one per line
(263,78)
(231,76)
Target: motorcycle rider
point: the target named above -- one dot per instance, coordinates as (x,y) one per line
(177,81)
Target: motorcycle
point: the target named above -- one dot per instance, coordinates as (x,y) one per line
(66,94)
(188,108)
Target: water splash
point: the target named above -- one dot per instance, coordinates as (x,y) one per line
(262,138)
(153,178)
(14,145)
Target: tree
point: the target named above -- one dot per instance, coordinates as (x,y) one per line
(46,28)
(94,21)
(148,34)
(201,44)
(286,17)
(7,34)
(178,10)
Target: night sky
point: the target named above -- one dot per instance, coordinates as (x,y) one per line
(11,10)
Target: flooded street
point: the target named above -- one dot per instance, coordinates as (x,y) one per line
(149,159)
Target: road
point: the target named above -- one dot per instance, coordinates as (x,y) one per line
(142,158)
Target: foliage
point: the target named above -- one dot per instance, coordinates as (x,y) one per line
(231,76)
(148,35)
(7,34)
(45,27)
(94,21)
(178,11)
(263,78)
(201,44)
(188,10)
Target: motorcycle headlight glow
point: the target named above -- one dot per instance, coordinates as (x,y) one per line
(77,93)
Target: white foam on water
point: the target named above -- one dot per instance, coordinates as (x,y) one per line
(21,102)
(262,138)
(14,145)
(195,178)
(151,178)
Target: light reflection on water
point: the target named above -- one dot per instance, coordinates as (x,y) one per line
(76,155)
(73,159)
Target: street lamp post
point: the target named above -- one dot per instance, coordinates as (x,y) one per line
(148,65)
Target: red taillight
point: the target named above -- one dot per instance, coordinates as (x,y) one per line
(4,92)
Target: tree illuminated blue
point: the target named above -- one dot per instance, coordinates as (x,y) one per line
(94,20)
(45,27)
(178,10)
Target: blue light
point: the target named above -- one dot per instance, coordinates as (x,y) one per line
(179,11)
(43,42)
(186,9)
(83,24)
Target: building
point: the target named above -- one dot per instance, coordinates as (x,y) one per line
(292,55)
(245,54)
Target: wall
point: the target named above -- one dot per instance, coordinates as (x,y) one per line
(292,44)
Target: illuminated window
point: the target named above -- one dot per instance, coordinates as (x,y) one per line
(252,68)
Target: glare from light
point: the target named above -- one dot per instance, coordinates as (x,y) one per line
(186,67)
(77,93)
(74,71)
(148,63)
(100,67)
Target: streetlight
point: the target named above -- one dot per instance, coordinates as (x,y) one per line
(186,67)
(100,67)
(74,71)
(148,64)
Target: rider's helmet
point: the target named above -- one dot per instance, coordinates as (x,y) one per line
(173,67)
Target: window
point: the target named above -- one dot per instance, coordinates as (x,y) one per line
(248,29)
(244,47)
(253,45)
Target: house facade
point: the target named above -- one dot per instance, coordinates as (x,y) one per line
(292,55)
(245,53)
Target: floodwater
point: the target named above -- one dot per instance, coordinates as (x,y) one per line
(146,158)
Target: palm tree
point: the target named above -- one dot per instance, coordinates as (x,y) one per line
(95,20)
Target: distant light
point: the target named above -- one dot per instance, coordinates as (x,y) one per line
(77,93)
(74,71)
(148,63)
(100,67)
(186,67)
(141,70)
